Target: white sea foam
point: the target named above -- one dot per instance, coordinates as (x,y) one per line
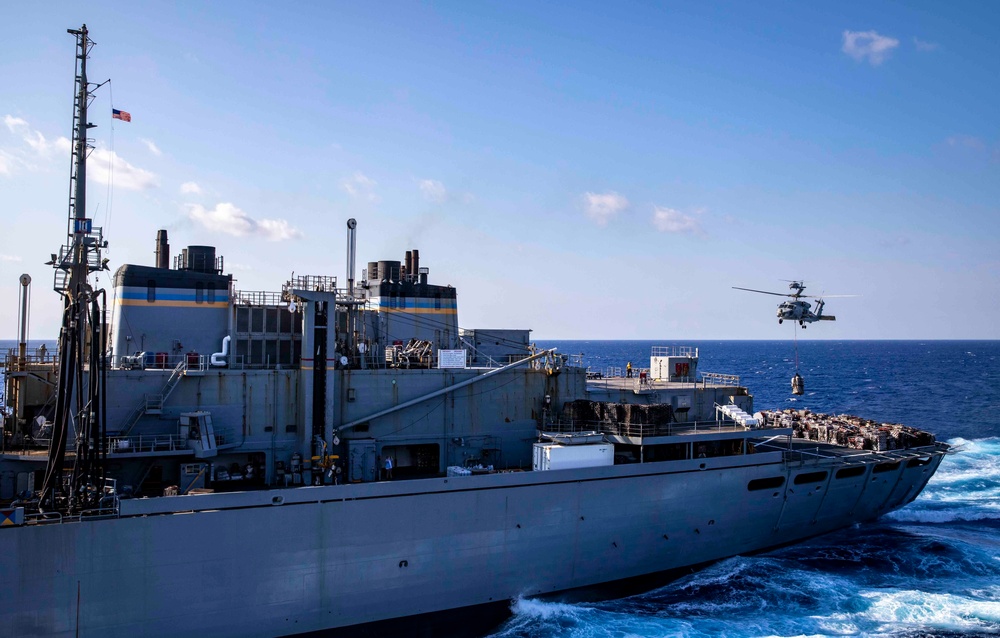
(545,610)
(915,514)
(966,486)
(929,610)
(535,617)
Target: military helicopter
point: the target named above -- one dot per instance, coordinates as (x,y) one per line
(795,309)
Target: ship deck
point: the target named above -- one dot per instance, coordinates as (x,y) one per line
(646,385)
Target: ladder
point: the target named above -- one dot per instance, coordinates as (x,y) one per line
(153,403)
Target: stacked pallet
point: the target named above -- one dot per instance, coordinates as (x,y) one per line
(847,430)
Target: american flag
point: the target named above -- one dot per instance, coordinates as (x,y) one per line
(124,116)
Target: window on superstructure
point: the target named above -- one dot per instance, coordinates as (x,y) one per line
(199,293)
(150,291)
(437,301)
(211,293)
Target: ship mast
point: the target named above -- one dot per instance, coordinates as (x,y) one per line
(82,365)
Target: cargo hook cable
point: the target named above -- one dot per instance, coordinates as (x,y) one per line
(796,340)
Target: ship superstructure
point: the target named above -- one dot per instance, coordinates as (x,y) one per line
(324,456)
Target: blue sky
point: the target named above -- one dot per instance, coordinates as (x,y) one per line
(586,170)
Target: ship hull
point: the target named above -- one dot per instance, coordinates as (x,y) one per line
(290,561)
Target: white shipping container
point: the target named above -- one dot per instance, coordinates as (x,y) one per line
(553,456)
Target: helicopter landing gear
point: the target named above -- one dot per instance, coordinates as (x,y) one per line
(780,320)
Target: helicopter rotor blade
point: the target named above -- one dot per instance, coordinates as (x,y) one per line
(763,292)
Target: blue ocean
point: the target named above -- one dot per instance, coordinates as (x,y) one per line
(930,569)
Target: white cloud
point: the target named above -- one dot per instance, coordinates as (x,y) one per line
(360,186)
(668,220)
(601,207)
(14,123)
(104,164)
(153,148)
(35,147)
(922,45)
(433,190)
(190,188)
(109,167)
(227,218)
(862,45)
(9,258)
(277,230)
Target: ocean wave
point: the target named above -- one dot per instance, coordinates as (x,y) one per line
(843,610)
(917,514)
(869,580)
(966,487)
(545,619)
(896,610)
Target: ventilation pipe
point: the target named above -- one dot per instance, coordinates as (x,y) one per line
(219,358)
(22,345)
(352,224)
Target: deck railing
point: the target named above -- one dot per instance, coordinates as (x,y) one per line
(674,351)
(34,358)
(717,378)
(641,430)
(145,443)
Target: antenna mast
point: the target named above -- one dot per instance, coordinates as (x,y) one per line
(82,338)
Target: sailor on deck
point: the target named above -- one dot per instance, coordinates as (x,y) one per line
(628,370)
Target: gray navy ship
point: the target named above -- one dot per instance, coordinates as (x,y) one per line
(196,459)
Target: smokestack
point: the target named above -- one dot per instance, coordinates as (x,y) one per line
(409,266)
(162,250)
(416,265)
